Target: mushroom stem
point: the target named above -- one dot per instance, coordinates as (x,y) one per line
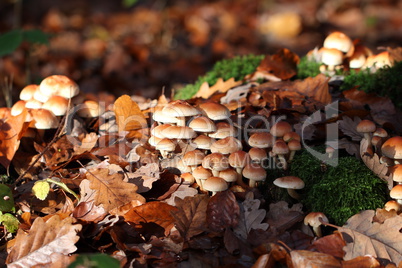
(199,183)
(181,121)
(292,155)
(282,160)
(239,181)
(368,138)
(215,172)
(252,183)
(317,231)
(293,194)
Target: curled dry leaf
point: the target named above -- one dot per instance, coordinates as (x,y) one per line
(330,244)
(348,126)
(206,91)
(365,237)
(223,211)
(111,190)
(281,216)
(305,258)
(45,242)
(282,64)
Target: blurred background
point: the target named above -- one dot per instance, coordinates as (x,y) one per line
(141,47)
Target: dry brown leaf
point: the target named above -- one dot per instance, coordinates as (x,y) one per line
(46,242)
(330,244)
(251,216)
(315,88)
(348,126)
(206,91)
(156,212)
(305,258)
(128,114)
(181,192)
(362,262)
(365,237)
(281,217)
(86,144)
(351,147)
(10,132)
(223,211)
(282,64)
(111,190)
(191,215)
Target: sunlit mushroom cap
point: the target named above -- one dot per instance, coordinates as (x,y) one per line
(239,159)
(44,119)
(289,182)
(223,130)
(157,131)
(153,140)
(59,85)
(254,172)
(201,173)
(257,154)
(215,161)
(215,111)
(226,146)
(28,92)
(90,109)
(331,56)
(202,124)
(229,175)
(339,41)
(57,104)
(396,173)
(33,104)
(204,142)
(261,140)
(313,219)
(396,192)
(162,117)
(187,177)
(215,184)
(392,148)
(179,108)
(193,158)
(18,107)
(178,132)
(392,205)
(165,145)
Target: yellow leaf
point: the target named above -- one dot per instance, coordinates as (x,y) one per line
(41,189)
(128,114)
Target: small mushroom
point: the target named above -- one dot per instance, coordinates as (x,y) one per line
(393,205)
(281,149)
(294,146)
(180,109)
(366,127)
(215,184)
(255,173)
(315,219)
(396,193)
(201,174)
(291,184)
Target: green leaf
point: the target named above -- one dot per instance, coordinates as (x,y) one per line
(6,198)
(10,41)
(95,261)
(41,189)
(36,36)
(10,222)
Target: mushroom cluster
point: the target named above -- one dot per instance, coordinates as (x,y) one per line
(340,51)
(218,154)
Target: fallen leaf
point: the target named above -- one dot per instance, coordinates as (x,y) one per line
(315,88)
(191,215)
(181,192)
(10,135)
(348,126)
(128,115)
(86,144)
(330,244)
(365,237)
(221,86)
(45,242)
(223,211)
(251,216)
(156,212)
(111,190)
(282,64)
(281,217)
(305,258)
(362,262)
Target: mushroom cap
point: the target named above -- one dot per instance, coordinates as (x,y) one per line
(239,159)
(201,173)
(166,144)
(215,184)
(187,177)
(291,136)
(254,172)
(392,148)
(33,104)
(289,182)
(202,124)
(179,108)
(339,41)
(215,161)
(313,219)
(379,61)
(359,56)
(90,109)
(154,140)
(28,92)
(226,146)
(392,205)
(223,130)
(204,142)
(178,132)
(182,167)
(193,158)
(331,56)
(280,147)
(396,173)
(261,140)
(57,104)
(366,126)
(257,154)
(329,149)
(280,128)
(380,132)
(18,107)
(229,175)
(59,85)
(215,111)
(44,119)
(39,96)
(162,117)
(396,192)
(157,131)
(294,145)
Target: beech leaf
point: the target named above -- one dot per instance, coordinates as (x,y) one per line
(45,242)
(365,237)
(112,191)
(128,114)
(191,215)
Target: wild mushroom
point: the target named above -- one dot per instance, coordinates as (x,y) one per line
(239,160)
(255,173)
(281,149)
(261,140)
(257,155)
(215,162)
(193,158)
(202,124)
(180,109)
(396,173)
(59,85)
(340,41)
(294,146)
(226,146)
(331,57)
(28,92)
(201,174)
(203,142)
(215,184)
(165,146)
(280,128)
(366,127)
(229,175)
(291,184)
(43,120)
(215,111)
(57,104)
(315,219)
(187,178)
(393,205)
(396,193)
(392,148)
(223,130)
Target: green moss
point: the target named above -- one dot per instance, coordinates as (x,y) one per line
(341,191)
(386,82)
(307,68)
(237,67)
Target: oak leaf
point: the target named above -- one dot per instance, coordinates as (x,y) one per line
(206,91)
(281,217)
(111,190)
(10,134)
(223,211)
(191,215)
(348,126)
(282,64)
(365,237)
(128,114)
(46,242)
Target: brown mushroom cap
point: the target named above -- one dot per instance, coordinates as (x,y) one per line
(396,192)
(201,173)
(226,146)
(202,124)
(392,148)
(254,172)
(215,162)
(366,126)
(44,119)
(313,219)
(90,109)
(378,61)
(331,56)
(396,173)
(153,140)
(280,128)
(178,132)
(215,111)
(59,85)
(166,145)
(223,130)
(179,108)
(380,132)
(340,41)
(157,131)
(261,140)
(193,158)
(18,107)
(257,154)
(294,145)
(28,92)
(289,182)
(162,117)
(291,136)
(33,104)
(204,142)
(280,148)
(229,175)
(215,184)
(57,104)
(392,205)
(187,177)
